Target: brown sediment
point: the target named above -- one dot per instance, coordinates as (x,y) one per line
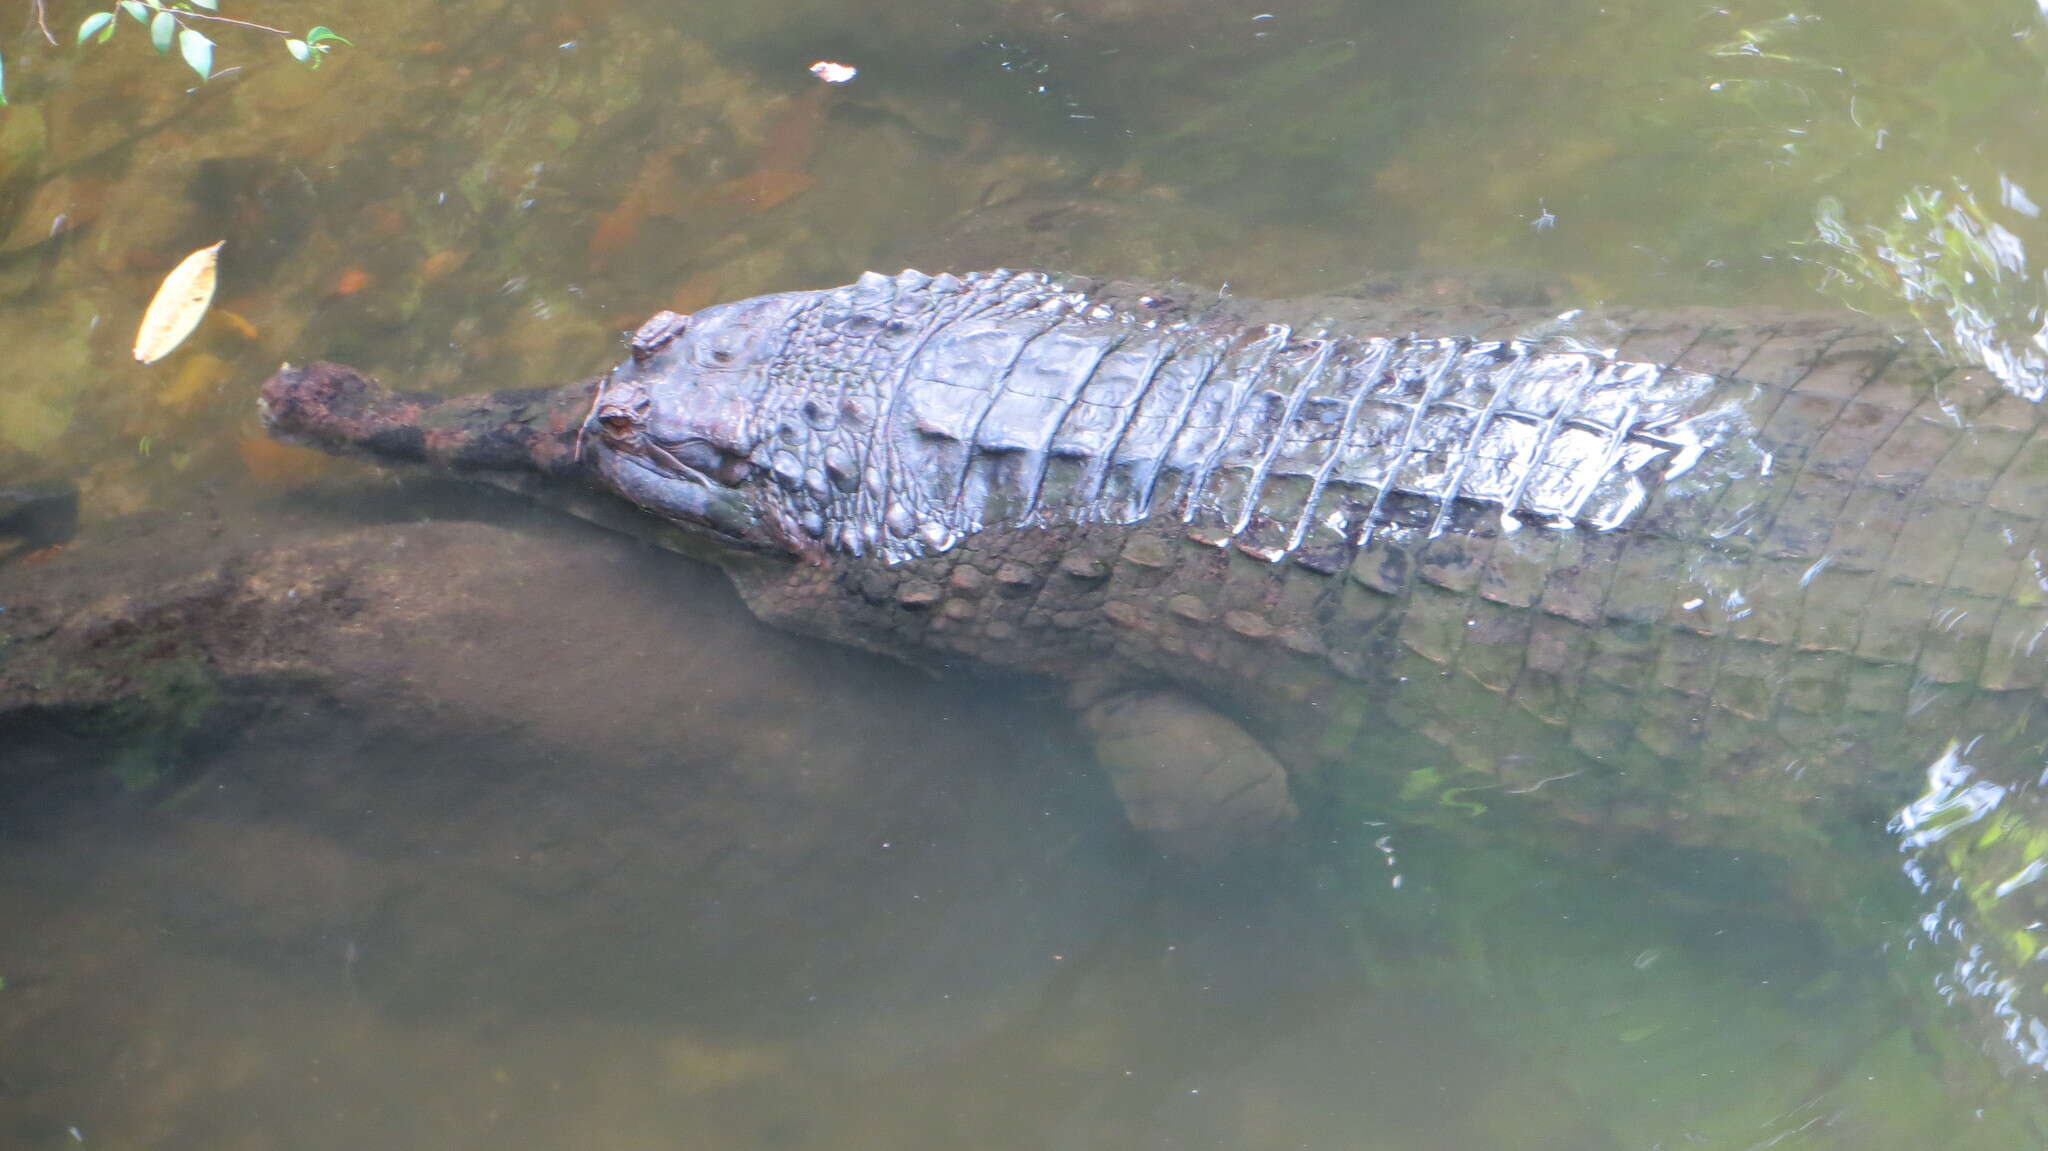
(780,173)
(696,293)
(276,464)
(781,170)
(651,191)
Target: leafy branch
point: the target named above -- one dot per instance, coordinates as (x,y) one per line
(177,22)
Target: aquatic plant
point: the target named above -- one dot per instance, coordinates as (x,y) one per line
(178,22)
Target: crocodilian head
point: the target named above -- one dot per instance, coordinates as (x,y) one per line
(675,429)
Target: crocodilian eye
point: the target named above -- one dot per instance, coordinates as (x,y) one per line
(620,412)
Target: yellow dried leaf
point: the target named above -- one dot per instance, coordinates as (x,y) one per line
(179,304)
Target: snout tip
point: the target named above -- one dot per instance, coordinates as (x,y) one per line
(316,402)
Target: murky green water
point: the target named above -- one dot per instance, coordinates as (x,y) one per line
(603,864)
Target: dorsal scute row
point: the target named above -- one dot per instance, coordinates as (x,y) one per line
(917,410)
(833,413)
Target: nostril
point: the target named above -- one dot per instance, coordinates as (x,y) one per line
(616,422)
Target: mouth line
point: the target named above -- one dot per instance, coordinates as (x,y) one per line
(656,461)
(688,475)
(668,459)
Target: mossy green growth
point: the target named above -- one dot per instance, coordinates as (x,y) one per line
(173,699)
(141,701)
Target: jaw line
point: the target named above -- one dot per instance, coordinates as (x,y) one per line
(687,475)
(655,454)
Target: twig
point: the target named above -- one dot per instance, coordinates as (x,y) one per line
(43,22)
(596,398)
(227,20)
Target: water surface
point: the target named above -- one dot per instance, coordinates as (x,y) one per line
(624,869)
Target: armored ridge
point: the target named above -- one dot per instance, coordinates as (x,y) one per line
(906,413)
(1803,485)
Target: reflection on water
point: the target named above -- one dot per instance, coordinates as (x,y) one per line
(1985,837)
(595,861)
(1964,274)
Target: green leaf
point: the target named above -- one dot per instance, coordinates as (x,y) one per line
(3,83)
(299,51)
(323,32)
(197,50)
(161,29)
(137,9)
(93,25)
(209,5)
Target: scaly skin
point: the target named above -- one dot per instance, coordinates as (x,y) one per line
(1758,574)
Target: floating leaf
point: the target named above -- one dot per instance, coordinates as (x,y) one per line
(179,304)
(161,29)
(298,50)
(197,50)
(93,25)
(137,9)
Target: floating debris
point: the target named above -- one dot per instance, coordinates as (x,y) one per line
(178,306)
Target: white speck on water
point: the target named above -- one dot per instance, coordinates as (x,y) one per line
(2016,198)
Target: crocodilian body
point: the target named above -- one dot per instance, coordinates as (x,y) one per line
(1772,581)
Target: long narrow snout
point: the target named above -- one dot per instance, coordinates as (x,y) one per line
(338,409)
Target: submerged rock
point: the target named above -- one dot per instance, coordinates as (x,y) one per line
(376,753)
